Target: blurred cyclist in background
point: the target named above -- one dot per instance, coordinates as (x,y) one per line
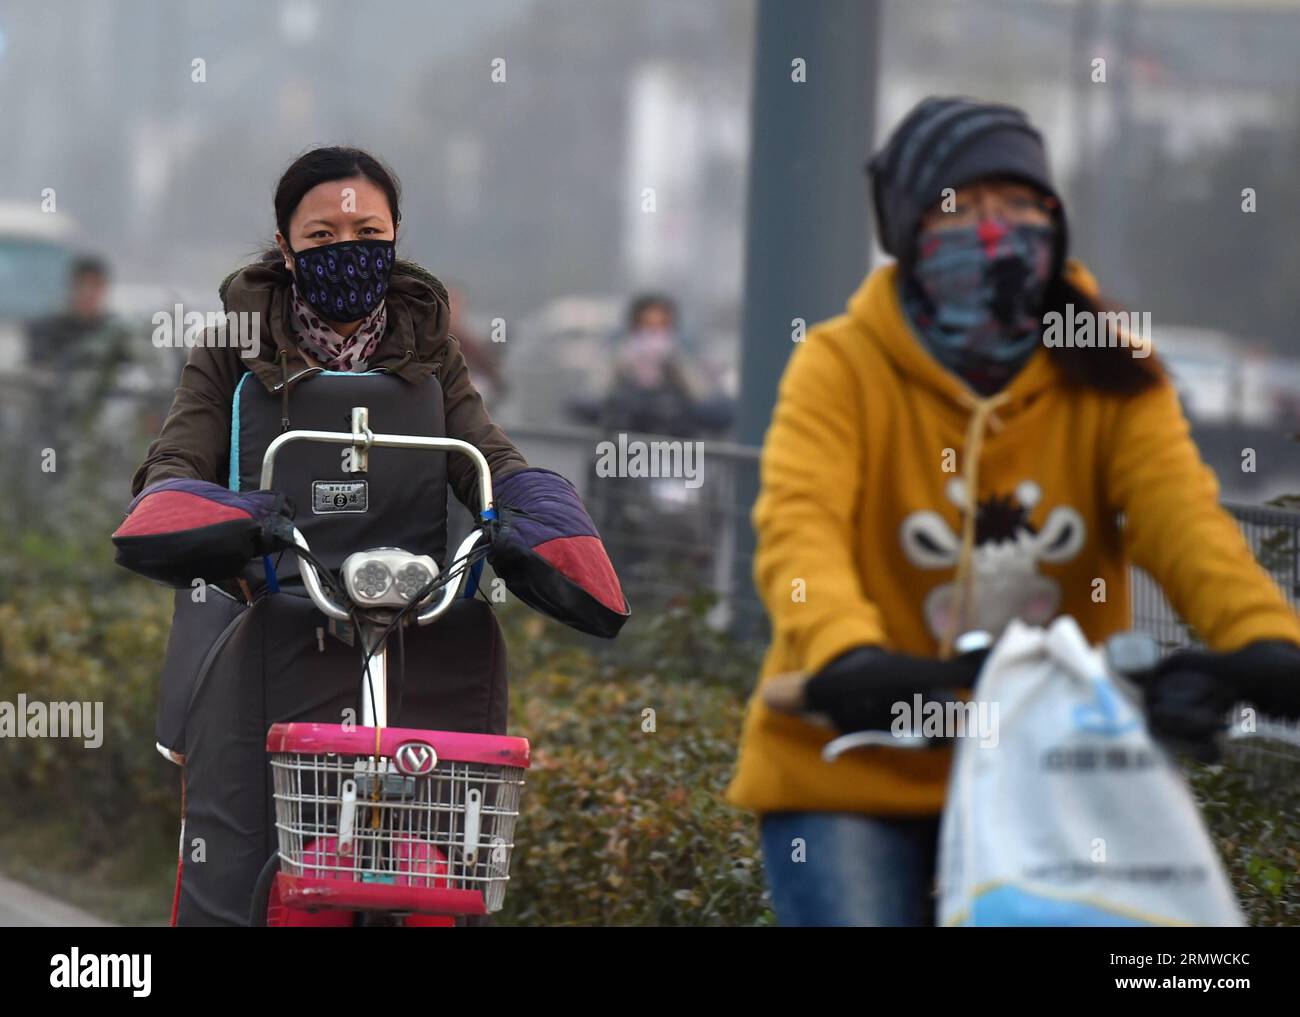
(77,358)
(654,390)
(80,350)
(934,466)
(649,388)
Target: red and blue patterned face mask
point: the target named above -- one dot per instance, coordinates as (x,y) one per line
(975,296)
(344,281)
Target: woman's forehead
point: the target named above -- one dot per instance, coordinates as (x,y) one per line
(351,198)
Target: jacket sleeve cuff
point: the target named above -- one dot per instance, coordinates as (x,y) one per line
(836,638)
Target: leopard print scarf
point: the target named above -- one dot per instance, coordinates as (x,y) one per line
(336,352)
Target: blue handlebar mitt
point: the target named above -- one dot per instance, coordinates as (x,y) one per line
(176,531)
(546,549)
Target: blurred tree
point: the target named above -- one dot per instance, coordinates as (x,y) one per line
(1234,270)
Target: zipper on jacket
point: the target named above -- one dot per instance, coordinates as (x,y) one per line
(283,357)
(289,381)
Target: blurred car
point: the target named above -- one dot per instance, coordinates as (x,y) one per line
(36,253)
(564,354)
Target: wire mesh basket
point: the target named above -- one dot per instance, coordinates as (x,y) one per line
(426,823)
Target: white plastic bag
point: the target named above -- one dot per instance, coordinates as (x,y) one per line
(1075,816)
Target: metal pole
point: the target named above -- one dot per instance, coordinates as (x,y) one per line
(807,233)
(1114,211)
(374,691)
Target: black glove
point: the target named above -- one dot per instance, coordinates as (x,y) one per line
(1189,694)
(858,689)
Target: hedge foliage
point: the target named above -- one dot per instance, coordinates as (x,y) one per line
(622,824)
(623,819)
(73,630)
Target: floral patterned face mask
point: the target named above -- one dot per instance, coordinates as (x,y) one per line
(976,295)
(346,281)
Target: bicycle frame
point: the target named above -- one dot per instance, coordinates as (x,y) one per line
(425,819)
(374,693)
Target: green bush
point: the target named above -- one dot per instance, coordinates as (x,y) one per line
(624,821)
(621,824)
(1252,807)
(70,630)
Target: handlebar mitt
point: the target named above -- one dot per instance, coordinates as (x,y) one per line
(179,530)
(546,549)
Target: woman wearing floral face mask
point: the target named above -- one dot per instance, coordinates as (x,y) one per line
(933,467)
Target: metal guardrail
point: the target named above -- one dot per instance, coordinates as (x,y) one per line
(667,540)
(664,548)
(1271,752)
(666,537)
(68,450)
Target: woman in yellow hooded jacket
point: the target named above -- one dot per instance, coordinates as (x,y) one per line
(941,458)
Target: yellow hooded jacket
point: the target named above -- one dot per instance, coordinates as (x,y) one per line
(865,491)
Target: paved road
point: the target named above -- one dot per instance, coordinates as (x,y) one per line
(22,906)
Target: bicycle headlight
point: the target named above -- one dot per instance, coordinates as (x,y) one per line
(386,576)
(412,579)
(372,580)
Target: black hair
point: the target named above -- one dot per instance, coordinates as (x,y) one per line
(320,166)
(644,301)
(87,264)
(1111,369)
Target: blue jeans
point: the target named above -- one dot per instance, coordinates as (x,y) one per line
(841,868)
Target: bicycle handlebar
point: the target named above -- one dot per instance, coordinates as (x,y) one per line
(450,590)
(365,440)
(970,649)
(362,439)
(1130,655)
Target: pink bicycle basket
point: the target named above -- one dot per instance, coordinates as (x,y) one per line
(426,825)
